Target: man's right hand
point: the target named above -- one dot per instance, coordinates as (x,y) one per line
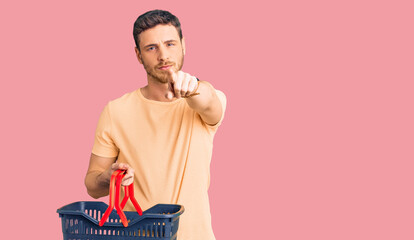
(129,175)
(99,174)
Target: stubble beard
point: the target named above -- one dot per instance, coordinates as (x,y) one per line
(160,75)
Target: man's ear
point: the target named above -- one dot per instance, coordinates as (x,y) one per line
(138,55)
(183,44)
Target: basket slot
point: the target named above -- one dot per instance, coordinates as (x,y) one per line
(96,214)
(152,231)
(72,226)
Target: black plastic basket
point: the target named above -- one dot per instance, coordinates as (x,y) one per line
(80,221)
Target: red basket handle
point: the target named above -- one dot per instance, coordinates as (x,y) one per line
(114,194)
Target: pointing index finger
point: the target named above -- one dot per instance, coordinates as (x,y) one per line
(172,74)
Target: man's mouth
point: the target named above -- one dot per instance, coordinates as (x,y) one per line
(165,67)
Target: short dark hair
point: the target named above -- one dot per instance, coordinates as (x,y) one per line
(153,18)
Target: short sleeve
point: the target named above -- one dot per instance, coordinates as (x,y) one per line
(104,145)
(223,102)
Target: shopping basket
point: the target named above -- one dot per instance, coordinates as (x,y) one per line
(81,220)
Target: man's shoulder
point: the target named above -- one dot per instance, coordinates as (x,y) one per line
(124,102)
(124,99)
(222,97)
(220,93)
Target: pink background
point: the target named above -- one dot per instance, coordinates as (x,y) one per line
(317,142)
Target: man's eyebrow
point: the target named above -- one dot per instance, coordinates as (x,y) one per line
(172,40)
(154,44)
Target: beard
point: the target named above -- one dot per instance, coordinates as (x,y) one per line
(162,76)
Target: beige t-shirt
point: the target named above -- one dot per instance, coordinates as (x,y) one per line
(170,147)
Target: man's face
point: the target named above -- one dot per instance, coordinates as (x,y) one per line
(161,49)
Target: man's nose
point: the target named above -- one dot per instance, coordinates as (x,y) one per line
(163,54)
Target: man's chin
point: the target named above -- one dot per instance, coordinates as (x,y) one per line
(160,79)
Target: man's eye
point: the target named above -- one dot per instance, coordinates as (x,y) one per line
(150,48)
(170,44)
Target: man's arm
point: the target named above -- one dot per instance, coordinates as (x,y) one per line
(99,175)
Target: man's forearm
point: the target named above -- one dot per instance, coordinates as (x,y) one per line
(207,103)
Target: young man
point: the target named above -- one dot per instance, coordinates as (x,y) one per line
(161,134)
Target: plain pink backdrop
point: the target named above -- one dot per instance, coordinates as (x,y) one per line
(317,142)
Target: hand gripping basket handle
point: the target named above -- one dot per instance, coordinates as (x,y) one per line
(114,194)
